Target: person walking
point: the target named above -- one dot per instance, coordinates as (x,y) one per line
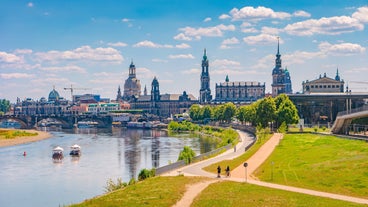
(219,171)
(228,171)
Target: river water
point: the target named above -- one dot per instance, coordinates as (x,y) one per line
(36,180)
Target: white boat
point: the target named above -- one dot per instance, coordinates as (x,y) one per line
(139,125)
(75,150)
(57,153)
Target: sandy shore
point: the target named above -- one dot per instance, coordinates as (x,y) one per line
(22,140)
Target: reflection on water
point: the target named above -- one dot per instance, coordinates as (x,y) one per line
(36,180)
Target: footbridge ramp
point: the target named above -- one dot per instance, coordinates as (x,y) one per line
(344,119)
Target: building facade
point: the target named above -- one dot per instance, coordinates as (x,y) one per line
(239,91)
(132,86)
(163,105)
(205,91)
(281,81)
(324,85)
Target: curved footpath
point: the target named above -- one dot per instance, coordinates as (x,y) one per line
(238,174)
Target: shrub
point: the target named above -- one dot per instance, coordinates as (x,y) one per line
(145,173)
(111,186)
(187,155)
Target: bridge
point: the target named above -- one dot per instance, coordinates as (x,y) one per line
(67,121)
(344,119)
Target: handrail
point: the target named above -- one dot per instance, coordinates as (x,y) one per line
(360,109)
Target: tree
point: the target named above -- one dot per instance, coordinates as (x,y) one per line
(247,113)
(4,106)
(265,112)
(286,111)
(195,112)
(187,154)
(218,112)
(229,112)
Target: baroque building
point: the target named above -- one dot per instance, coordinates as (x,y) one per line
(163,105)
(281,82)
(324,85)
(132,86)
(205,91)
(239,91)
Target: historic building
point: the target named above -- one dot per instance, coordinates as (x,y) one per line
(239,91)
(163,105)
(132,86)
(205,91)
(281,82)
(324,84)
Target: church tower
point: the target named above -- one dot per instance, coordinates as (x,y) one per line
(155,97)
(119,98)
(132,86)
(205,91)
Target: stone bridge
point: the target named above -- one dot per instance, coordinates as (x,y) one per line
(67,121)
(344,119)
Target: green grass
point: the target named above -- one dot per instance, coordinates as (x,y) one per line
(11,134)
(239,160)
(157,191)
(319,162)
(241,194)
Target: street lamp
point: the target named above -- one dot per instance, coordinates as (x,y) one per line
(272,163)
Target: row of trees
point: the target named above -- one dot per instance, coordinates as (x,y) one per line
(4,106)
(262,112)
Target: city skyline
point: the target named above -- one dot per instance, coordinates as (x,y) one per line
(91,44)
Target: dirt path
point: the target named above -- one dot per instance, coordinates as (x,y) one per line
(192,192)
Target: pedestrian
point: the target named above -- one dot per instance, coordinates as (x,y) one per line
(219,171)
(228,171)
(234,148)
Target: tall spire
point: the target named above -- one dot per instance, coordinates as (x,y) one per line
(278,45)
(337,77)
(204,54)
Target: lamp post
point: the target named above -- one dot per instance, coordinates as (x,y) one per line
(245,166)
(272,163)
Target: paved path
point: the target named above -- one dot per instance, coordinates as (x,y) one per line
(238,174)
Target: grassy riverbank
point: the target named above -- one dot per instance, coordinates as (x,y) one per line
(12,133)
(319,162)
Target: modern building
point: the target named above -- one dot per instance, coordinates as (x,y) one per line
(163,105)
(324,84)
(281,81)
(239,91)
(132,86)
(205,91)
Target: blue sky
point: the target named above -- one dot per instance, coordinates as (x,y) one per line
(90,44)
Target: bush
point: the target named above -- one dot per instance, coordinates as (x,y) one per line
(111,186)
(187,155)
(145,173)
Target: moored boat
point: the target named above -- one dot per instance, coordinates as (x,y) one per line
(57,153)
(75,150)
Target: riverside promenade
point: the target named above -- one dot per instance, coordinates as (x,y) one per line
(238,174)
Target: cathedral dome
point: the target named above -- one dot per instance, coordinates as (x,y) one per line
(54,95)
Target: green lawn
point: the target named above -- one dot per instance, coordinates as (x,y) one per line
(241,194)
(319,162)
(157,191)
(12,133)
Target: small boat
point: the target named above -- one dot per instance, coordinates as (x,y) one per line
(75,150)
(57,153)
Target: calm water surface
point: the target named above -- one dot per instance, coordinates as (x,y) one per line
(35,180)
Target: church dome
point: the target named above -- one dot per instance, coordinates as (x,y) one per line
(54,95)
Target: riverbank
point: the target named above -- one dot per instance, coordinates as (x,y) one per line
(24,139)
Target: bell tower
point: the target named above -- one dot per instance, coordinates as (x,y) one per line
(205,91)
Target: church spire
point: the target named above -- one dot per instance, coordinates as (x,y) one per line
(337,77)
(278,45)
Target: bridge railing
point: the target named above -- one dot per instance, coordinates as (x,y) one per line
(363,108)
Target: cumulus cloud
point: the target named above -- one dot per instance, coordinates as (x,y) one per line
(181,56)
(330,26)
(270,30)
(69,68)
(150,44)
(192,71)
(182,46)
(84,53)
(342,49)
(361,14)
(23,51)
(262,39)
(16,75)
(224,16)
(159,60)
(30,4)
(301,13)
(228,42)
(208,19)
(197,33)
(8,58)
(258,13)
(182,36)
(225,63)
(117,44)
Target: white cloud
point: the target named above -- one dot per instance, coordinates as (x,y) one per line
(208,19)
(249,30)
(182,36)
(147,43)
(182,46)
(23,51)
(262,39)
(181,56)
(361,14)
(117,44)
(270,30)
(84,53)
(301,13)
(226,44)
(225,63)
(341,49)
(9,58)
(126,20)
(329,26)
(224,16)
(159,60)
(69,68)
(191,71)
(30,4)
(16,75)
(258,13)
(197,33)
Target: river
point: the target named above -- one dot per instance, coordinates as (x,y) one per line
(36,180)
